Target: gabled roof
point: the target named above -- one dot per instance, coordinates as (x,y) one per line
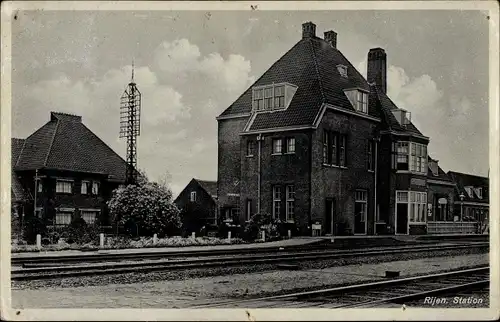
(209,186)
(311,65)
(463,180)
(441,175)
(65,143)
(386,106)
(17,191)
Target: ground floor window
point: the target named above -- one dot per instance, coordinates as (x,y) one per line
(63,218)
(411,208)
(360,211)
(89,216)
(290,202)
(277,201)
(249,209)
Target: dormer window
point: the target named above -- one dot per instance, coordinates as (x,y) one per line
(479,193)
(342,70)
(358,99)
(468,189)
(402,116)
(272,97)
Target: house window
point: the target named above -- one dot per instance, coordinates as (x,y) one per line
(95,188)
(290,145)
(249,209)
(276,202)
(40,186)
(370,155)
(342,150)
(235,213)
(325,148)
(362,102)
(469,191)
(402,156)
(272,96)
(193,196)
(268,98)
(85,187)
(89,216)
(258,99)
(64,186)
(342,70)
(63,218)
(290,202)
(334,148)
(361,201)
(279,96)
(418,157)
(277,146)
(416,204)
(479,192)
(250,148)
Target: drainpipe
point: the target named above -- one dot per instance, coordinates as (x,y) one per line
(259,140)
(36,191)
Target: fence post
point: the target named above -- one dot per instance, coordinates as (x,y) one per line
(263,235)
(193,235)
(39,241)
(155,239)
(229,236)
(101,240)
(289,234)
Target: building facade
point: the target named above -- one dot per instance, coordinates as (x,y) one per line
(315,144)
(199,194)
(63,168)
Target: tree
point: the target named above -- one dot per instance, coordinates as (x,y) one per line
(148,206)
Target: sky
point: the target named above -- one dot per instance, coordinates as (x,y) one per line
(191,65)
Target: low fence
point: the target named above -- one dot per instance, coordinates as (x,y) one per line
(442,227)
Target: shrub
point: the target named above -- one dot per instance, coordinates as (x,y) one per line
(262,222)
(147,207)
(33,226)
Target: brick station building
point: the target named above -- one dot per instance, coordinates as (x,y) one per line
(64,167)
(314,143)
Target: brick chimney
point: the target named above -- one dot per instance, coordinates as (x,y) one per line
(331,38)
(308,30)
(377,68)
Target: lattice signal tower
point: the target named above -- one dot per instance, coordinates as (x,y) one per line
(130,126)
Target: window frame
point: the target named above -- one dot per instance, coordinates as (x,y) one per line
(66,214)
(290,203)
(248,214)
(370,155)
(69,183)
(280,145)
(334,149)
(416,202)
(362,102)
(95,184)
(277,200)
(191,198)
(270,97)
(288,145)
(250,148)
(86,184)
(363,201)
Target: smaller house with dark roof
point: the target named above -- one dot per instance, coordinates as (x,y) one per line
(471,199)
(200,195)
(64,167)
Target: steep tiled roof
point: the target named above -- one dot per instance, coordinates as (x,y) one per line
(65,143)
(209,186)
(463,180)
(386,106)
(17,191)
(441,175)
(311,65)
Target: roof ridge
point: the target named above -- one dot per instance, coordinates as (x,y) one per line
(51,143)
(317,71)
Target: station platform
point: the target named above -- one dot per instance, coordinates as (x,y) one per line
(294,242)
(335,242)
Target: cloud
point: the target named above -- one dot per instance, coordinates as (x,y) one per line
(446,120)
(182,93)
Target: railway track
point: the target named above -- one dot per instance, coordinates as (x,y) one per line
(373,294)
(51,272)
